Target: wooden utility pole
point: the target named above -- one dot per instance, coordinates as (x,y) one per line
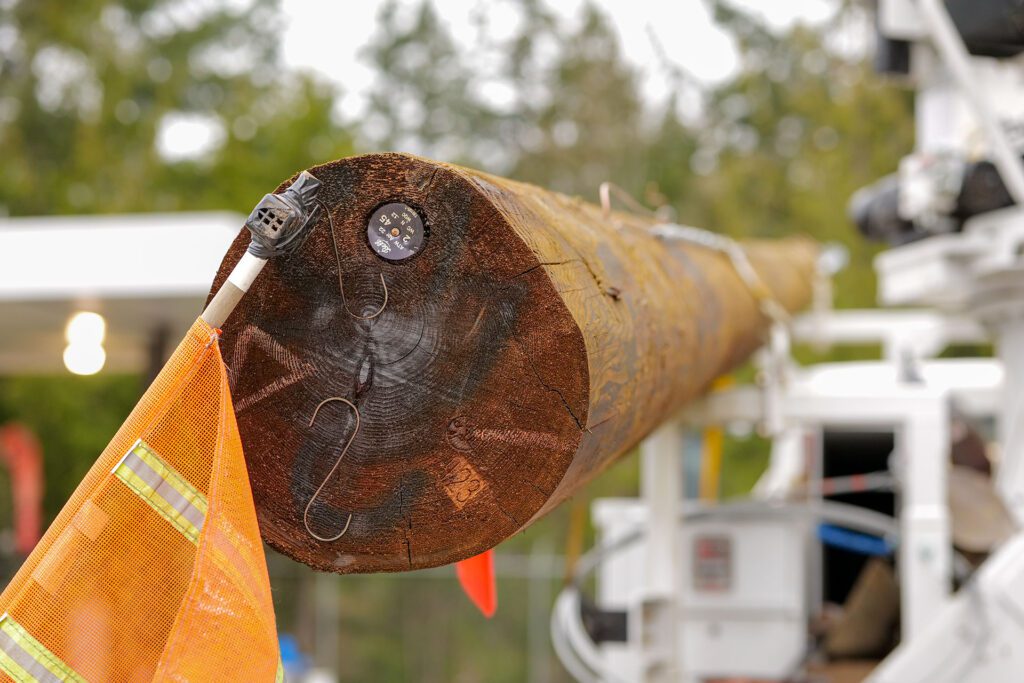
(502,344)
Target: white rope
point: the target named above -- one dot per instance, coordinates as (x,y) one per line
(772,309)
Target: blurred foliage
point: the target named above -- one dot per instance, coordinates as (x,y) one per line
(794,134)
(74,418)
(88,88)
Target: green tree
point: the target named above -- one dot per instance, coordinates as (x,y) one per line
(572,117)
(86,87)
(785,143)
(427,97)
(591,124)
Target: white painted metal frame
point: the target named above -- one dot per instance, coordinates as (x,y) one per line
(977,637)
(656,611)
(919,417)
(917,412)
(976,274)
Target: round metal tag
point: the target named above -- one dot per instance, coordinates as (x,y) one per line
(396,232)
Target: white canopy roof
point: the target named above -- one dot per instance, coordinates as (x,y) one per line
(140,271)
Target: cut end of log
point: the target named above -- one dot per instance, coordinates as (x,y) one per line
(469,372)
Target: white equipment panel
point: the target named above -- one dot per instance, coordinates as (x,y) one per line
(742,607)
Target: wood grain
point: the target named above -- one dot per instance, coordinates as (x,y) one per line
(531,343)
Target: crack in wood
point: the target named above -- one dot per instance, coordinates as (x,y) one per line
(541,265)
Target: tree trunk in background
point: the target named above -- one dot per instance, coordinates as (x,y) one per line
(528,344)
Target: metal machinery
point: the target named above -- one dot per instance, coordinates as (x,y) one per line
(693,593)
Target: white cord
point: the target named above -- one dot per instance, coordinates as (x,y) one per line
(737,256)
(559,638)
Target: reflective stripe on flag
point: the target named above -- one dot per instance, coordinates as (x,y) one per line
(26,660)
(164,489)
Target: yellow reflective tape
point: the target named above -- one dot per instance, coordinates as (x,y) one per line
(26,660)
(164,489)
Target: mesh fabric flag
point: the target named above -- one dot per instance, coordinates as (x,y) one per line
(476,576)
(154,569)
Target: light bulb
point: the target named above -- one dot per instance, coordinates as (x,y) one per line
(84,359)
(86,327)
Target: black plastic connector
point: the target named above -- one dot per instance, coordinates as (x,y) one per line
(280,222)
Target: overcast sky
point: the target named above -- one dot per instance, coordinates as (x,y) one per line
(328,36)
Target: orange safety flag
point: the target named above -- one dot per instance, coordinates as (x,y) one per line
(476,575)
(154,570)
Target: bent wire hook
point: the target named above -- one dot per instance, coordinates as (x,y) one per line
(316,494)
(341,283)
